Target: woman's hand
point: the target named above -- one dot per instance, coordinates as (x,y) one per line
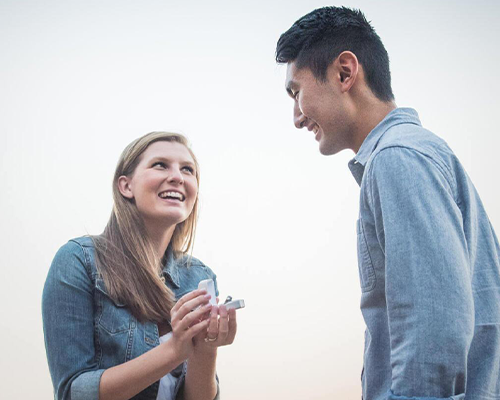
(221,330)
(187,321)
(201,376)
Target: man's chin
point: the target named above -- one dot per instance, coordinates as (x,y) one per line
(330,147)
(327,150)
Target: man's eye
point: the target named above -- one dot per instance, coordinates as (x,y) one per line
(159,164)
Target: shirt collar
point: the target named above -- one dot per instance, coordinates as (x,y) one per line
(169,267)
(395,117)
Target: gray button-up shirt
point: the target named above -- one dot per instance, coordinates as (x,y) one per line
(429,268)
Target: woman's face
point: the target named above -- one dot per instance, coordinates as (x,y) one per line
(163,185)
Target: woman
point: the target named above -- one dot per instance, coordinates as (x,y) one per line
(113,328)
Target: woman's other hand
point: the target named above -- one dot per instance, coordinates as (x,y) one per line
(187,321)
(221,330)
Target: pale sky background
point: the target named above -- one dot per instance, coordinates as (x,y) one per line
(79,80)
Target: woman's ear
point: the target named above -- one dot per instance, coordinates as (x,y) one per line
(124,187)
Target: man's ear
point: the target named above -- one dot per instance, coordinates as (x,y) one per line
(124,187)
(346,69)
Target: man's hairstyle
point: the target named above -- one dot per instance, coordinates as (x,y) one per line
(317,39)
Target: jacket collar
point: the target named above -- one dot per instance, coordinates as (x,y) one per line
(170,269)
(395,117)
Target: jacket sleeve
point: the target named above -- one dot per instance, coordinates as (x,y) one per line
(428,289)
(67,312)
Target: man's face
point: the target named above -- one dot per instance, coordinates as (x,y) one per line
(321,107)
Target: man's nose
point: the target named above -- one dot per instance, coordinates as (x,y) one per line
(299,119)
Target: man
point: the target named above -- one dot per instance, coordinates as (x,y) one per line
(428,256)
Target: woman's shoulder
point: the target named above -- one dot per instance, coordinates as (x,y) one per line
(187,262)
(83,241)
(76,245)
(75,254)
(186,272)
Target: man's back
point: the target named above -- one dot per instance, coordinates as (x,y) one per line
(429,268)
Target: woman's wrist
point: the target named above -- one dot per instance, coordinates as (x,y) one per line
(201,382)
(204,352)
(171,352)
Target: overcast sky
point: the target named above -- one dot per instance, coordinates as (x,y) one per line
(81,79)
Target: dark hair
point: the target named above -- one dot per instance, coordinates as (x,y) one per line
(317,39)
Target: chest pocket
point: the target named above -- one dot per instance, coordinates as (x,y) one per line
(113,317)
(366,270)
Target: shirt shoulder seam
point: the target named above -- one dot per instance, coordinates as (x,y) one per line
(86,256)
(443,169)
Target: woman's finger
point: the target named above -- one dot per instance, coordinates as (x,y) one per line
(193,304)
(213,330)
(197,328)
(187,297)
(223,324)
(194,317)
(188,306)
(232,326)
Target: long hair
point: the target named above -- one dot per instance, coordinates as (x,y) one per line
(126,257)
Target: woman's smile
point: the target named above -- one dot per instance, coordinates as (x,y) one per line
(164,185)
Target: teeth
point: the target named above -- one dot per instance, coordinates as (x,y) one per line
(172,194)
(315,129)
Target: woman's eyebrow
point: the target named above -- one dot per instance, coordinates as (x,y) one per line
(163,158)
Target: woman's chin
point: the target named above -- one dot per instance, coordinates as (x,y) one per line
(164,221)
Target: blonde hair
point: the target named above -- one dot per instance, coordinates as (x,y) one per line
(126,257)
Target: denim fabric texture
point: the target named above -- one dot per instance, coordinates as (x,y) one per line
(86,332)
(429,269)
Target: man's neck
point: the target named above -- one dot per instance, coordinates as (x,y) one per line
(369,116)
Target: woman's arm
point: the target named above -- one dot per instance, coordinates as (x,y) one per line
(68,325)
(200,381)
(126,380)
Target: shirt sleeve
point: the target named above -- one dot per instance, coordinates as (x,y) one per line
(427,275)
(67,312)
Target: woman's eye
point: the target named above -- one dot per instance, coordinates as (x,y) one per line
(189,169)
(159,164)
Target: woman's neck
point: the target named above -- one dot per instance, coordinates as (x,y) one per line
(160,237)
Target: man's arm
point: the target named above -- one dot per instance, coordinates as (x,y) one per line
(428,288)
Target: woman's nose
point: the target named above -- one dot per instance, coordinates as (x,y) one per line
(175,176)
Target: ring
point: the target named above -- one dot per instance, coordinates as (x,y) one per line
(207,339)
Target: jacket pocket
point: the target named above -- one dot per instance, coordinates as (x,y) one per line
(366,271)
(113,316)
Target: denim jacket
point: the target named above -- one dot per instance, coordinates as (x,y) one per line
(86,332)
(429,266)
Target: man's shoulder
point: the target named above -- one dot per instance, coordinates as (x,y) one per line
(405,146)
(412,138)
